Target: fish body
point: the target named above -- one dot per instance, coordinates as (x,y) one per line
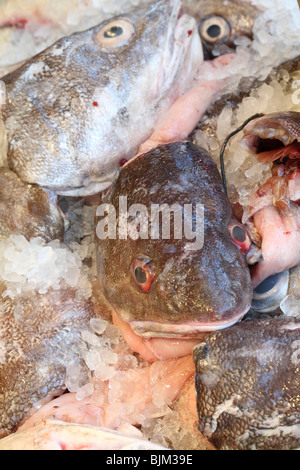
(247,385)
(28,210)
(75,110)
(167,286)
(36,348)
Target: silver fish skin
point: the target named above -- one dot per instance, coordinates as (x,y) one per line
(28,210)
(74,111)
(36,349)
(247,384)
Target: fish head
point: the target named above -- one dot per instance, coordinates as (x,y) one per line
(95,96)
(222,23)
(182,271)
(247,385)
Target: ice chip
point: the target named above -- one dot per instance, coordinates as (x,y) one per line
(290,306)
(98,325)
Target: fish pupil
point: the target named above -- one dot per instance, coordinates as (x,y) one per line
(239,234)
(113,32)
(214,31)
(140,275)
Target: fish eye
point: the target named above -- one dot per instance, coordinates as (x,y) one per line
(240,237)
(115,34)
(214,29)
(142,272)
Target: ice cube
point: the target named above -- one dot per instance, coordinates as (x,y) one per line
(290,306)
(98,325)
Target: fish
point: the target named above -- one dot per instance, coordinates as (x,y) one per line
(247,385)
(275,205)
(28,210)
(221,24)
(36,348)
(76,111)
(58,435)
(268,228)
(161,285)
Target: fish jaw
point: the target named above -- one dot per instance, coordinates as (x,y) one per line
(183,330)
(88,121)
(183,53)
(274,207)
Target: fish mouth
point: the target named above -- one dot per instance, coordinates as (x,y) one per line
(183,53)
(187,330)
(270,140)
(89,187)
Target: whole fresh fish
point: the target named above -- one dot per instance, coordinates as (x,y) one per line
(28,210)
(173,287)
(247,384)
(74,112)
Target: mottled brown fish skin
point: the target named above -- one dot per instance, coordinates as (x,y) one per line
(27,210)
(247,384)
(36,349)
(206,285)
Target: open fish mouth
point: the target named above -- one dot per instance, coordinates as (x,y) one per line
(151,329)
(273,138)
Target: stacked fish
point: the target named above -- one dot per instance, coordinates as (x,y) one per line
(146,269)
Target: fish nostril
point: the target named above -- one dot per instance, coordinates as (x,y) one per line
(268,295)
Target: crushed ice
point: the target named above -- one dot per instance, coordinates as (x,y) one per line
(35,265)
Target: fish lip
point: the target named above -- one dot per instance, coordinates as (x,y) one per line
(181,31)
(150,329)
(265,127)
